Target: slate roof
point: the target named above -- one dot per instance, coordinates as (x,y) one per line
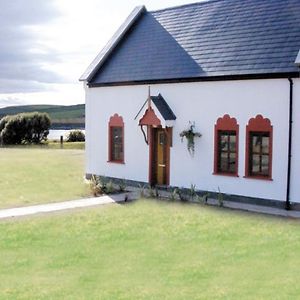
(163,107)
(217,38)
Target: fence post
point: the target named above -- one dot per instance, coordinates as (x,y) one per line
(61,141)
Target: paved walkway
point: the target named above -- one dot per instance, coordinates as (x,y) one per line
(258,209)
(51,207)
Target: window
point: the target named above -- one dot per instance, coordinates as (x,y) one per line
(259,148)
(116,139)
(226,151)
(226,146)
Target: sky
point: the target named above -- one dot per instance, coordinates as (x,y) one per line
(47,45)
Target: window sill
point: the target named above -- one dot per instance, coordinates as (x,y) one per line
(116,162)
(258,177)
(226,174)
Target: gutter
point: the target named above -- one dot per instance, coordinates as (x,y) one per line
(287,201)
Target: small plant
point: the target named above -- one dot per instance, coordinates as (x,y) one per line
(109,188)
(193,191)
(205,197)
(152,193)
(76,136)
(182,195)
(220,198)
(174,194)
(142,191)
(202,199)
(122,185)
(190,135)
(97,186)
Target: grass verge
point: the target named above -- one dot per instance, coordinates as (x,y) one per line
(150,250)
(39,175)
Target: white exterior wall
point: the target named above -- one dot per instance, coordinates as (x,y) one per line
(202,103)
(295,162)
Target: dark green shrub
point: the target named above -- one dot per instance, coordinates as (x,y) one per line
(25,128)
(76,136)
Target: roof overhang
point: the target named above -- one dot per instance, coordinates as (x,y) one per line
(110,46)
(297,61)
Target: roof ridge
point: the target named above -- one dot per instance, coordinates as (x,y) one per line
(201,2)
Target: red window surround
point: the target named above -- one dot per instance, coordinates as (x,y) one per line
(258,127)
(116,145)
(226,125)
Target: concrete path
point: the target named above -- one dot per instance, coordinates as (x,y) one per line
(52,207)
(258,209)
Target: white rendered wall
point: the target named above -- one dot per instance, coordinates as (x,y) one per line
(202,103)
(295,162)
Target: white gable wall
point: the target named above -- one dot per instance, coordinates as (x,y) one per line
(202,103)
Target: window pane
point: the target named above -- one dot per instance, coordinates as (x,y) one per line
(265,145)
(232,143)
(256,143)
(223,162)
(255,164)
(223,142)
(117,143)
(265,164)
(232,159)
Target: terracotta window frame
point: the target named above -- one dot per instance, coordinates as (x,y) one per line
(226,125)
(259,127)
(115,121)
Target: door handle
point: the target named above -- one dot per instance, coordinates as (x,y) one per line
(160,165)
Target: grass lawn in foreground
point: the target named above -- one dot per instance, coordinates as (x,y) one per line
(150,250)
(32,175)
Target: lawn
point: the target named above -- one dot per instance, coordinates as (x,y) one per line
(150,250)
(31,175)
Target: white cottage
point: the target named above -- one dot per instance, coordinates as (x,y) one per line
(226,69)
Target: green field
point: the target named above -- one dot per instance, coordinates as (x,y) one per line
(38,174)
(150,250)
(59,114)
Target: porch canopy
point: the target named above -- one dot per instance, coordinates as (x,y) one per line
(156,113)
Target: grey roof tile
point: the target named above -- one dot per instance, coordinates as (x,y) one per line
(206,39)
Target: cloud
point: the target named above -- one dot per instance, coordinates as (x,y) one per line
(11,101)
(24,58)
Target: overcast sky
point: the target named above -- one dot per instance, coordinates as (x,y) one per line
(46,45)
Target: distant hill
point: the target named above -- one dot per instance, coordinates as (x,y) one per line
(61,116)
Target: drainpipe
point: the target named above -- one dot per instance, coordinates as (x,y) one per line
(287,201)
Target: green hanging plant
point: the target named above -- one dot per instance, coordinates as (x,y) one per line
(190,135)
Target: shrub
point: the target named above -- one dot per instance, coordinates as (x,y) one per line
(122,185)
(76,136)
(25,128)
(97,186)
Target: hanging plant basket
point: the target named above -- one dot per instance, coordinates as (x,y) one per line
(190,135)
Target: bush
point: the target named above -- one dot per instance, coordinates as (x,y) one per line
(76,136)
(25,128)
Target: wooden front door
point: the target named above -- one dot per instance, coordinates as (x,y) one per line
(160,157)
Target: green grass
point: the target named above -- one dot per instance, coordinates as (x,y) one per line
(52,144)
(150,250)
(31,175)
(66,145)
